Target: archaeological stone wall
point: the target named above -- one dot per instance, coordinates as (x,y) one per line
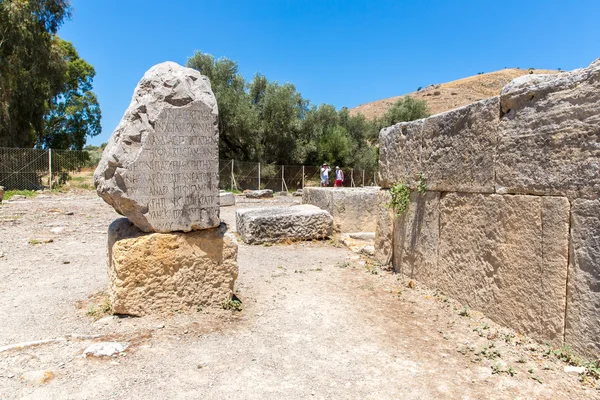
(510,221)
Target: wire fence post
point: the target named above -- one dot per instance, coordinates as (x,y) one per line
(303,177)
(282,179)
(50,168)
(258,176)
(352,177)
(374,178)
(363,178)
(232,177)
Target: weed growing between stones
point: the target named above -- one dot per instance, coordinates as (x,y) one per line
(97,311)
(422,183)
(400,194)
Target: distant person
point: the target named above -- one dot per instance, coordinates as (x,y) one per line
(339,177)
(325,175)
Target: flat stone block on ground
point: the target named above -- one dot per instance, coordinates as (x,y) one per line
(152,273)
(275,224)
(226,199)
(259,194)
(583,305)
(353,209)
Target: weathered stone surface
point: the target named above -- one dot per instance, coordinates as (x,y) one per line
(583,304)
(274,224)
(453,150)
(226,199)
(458,148)
(353,209)
(416,238)
(549,137)
(507,256)
(259,194)
(165,272)
(400,153)
(384,228)
(160,167)
(1,193)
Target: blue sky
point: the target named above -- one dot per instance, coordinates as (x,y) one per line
(343,53)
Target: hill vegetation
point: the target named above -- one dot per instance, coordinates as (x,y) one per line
(450,95)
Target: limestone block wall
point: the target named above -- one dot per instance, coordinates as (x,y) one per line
(352,208)
(510,223)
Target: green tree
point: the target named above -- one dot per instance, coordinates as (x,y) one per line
(30,71)
(237,116)
(46,96)
(403,110)
(74,114)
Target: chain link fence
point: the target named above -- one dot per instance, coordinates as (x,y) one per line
(36,169)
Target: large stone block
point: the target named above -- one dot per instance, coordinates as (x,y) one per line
(164,272)
(458,146)
(160,168)
(353,209)
(275,224)
(549,134)
(400,153)
(507,256)
(226,199)
(583,305)
(416,238)
(384,229)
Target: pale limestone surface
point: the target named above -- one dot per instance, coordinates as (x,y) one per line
(153,273)
(583,305)
(458,147)
(384,229)
(549,139)
(416,238)
(352,209)
(160,168)
(454,150)
(275,224)
(400,153)
(226,199)
(507,256)
(1,193)
(259,194)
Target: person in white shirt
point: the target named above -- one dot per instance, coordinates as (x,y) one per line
(325,175)
(339,177)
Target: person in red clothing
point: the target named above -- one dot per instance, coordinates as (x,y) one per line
(339,177)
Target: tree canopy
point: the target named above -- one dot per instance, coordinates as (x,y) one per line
(46,96)
(266,121)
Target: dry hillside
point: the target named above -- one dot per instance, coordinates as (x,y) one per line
(450,95)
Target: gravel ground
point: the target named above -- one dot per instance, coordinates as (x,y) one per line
(317,322)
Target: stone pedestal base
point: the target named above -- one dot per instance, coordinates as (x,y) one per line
(152,273)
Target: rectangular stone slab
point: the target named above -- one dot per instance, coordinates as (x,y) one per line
(458,146)
(583,305)
(416,238)
(384,229)
(352,208)
(549,141)
(507,256)
(157,273)
(400,153)
(275,224)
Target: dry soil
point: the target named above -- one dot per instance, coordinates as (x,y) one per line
(318,321)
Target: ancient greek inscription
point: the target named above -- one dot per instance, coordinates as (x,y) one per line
(176,175)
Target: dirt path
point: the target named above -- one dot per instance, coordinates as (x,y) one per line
(317,322)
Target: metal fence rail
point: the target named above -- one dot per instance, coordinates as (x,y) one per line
(36,169)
